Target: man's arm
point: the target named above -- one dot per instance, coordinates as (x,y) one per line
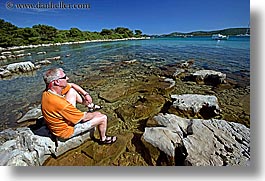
(82,92)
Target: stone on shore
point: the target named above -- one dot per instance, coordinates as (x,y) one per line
(21,147)
(32,114)
(197,142)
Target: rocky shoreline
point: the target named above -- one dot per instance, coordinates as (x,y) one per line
(66,43)
(135,94)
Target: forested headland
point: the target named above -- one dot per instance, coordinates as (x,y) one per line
(11,35)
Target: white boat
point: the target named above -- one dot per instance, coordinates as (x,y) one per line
(244,35)
(219,37)
(247,34)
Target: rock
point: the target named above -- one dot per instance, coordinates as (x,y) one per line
(21,147)
(5,73)
(41,53)
(171,81)
(186,64)
(193,104)
(117,92)
(43,62)
(197,142)
(18,51)
(6,53)
(54,58)
(106,155)
(2,57)
(209,77)
(142,109)
(130,61)
(34,113)
(179,73)
(20,67)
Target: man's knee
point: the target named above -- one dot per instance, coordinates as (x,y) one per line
(104,117)
(101,116)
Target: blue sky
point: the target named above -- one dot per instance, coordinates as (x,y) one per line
(150,16)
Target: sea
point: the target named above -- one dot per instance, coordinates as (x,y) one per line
(20,92)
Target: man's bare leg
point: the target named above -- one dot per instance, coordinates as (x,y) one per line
(96,118)
(100,120)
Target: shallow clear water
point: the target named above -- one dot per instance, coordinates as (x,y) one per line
(228,56)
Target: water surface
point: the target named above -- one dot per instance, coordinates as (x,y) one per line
(20,92)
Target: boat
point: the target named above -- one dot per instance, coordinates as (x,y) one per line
(243,35)
(247,34)
(219,37)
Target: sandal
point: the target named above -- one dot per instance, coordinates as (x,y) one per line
(108,140)
(93,107)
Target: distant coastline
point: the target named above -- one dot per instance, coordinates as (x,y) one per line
(227,32)
(69,43)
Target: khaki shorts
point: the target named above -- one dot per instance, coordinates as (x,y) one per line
(81,128)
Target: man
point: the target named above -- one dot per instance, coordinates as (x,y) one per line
(59,108)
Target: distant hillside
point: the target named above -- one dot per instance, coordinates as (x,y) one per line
(229,31)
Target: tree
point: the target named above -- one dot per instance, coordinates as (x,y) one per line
(106,32)
(45,32)
(75,32)
(11,35)
(138,33)
(125,32)
(6,26)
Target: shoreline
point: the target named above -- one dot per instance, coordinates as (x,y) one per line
(69,43)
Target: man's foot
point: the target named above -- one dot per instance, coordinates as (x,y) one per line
(108,140)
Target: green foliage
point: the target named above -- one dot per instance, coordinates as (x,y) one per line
(6,26)
(138,33)
(106,32)
(75,32)
(46,33)
(11,35)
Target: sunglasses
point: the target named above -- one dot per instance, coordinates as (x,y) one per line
(64,77)
(50,84)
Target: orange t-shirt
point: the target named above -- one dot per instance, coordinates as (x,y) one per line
(59,114)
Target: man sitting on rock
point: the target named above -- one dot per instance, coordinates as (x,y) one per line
(59,110)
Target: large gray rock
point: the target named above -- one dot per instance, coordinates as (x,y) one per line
(32,114)
(21,67)
(202,142)
(196,103)
(21,147)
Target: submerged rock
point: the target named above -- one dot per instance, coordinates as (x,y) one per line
(209,77)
